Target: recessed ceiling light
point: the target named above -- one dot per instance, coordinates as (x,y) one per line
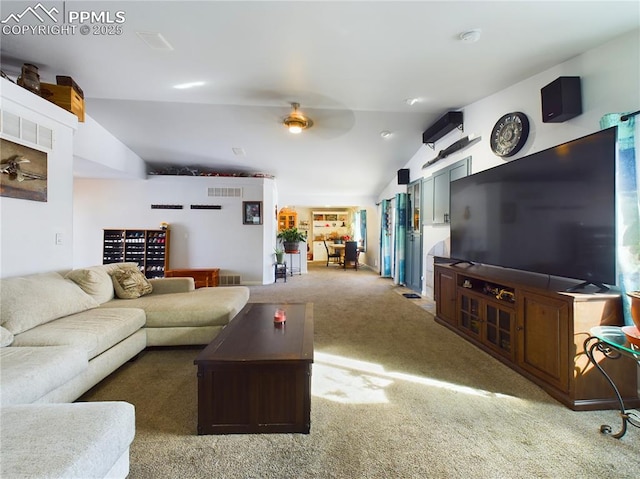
(385,134)
(184,86)
(470,36)
(411,101)
(154,40)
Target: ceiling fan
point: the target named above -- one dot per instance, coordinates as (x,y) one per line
(296,121)
(328,117)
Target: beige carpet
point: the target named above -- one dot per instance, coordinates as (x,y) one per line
(395,395)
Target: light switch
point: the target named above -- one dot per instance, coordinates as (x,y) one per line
(58,238)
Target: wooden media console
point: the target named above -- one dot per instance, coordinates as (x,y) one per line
(530,323)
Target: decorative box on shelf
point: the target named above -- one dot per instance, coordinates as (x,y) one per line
(65,97)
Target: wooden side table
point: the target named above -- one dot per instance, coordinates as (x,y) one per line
(204,278)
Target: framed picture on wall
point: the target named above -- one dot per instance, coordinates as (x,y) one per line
(252,212)
(23,172)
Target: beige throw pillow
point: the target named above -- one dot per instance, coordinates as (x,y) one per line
(6,337)
(130,283)
(95,281)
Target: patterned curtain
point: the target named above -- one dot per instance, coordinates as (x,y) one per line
(628,207)
(385,239)
(400,237)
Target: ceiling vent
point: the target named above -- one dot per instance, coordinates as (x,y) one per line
(154,40)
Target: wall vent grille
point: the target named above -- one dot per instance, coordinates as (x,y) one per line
(225,192)
(229,280)
(25,130)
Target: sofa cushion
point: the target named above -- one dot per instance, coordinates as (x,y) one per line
(79,440)
(202,307)
(93,331)
(6,337)
(130,283)
(172,285)
(94,281)
(27,374)
(28,301)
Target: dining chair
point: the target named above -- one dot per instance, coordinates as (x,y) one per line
(351,254)
(335,255)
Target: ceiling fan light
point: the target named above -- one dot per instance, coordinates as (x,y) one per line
(296,122)
(295,127)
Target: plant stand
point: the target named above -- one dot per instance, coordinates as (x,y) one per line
(280,271)
(292,266)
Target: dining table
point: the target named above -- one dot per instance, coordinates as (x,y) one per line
(339,247)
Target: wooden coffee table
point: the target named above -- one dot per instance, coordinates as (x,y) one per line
(255,376)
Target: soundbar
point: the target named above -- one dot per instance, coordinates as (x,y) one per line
(450,121)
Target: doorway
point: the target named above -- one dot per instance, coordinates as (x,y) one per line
(413,265)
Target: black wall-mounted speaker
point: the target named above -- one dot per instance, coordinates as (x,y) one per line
(561,100)
(450,121)
(403,176)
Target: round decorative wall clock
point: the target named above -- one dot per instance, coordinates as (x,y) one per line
(509,134)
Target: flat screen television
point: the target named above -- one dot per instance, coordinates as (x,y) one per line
(552,212)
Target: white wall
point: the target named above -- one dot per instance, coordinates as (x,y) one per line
(112,159)
(29,228)
(610,80)
(199,238)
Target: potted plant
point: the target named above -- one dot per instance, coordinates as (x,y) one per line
(291,238)
(279,254)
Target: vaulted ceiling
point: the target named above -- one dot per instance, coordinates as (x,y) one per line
(350,65)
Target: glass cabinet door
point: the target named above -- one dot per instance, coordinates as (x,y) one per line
(499,329)
(470,319)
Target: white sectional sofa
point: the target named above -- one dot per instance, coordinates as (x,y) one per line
(62,334)
(79,440)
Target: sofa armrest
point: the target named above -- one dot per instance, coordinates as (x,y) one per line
(172,285)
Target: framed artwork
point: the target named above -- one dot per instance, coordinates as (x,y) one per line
(252,212)
(23,172)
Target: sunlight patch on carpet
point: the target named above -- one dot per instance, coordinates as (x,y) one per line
(348,386)
(351,381)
